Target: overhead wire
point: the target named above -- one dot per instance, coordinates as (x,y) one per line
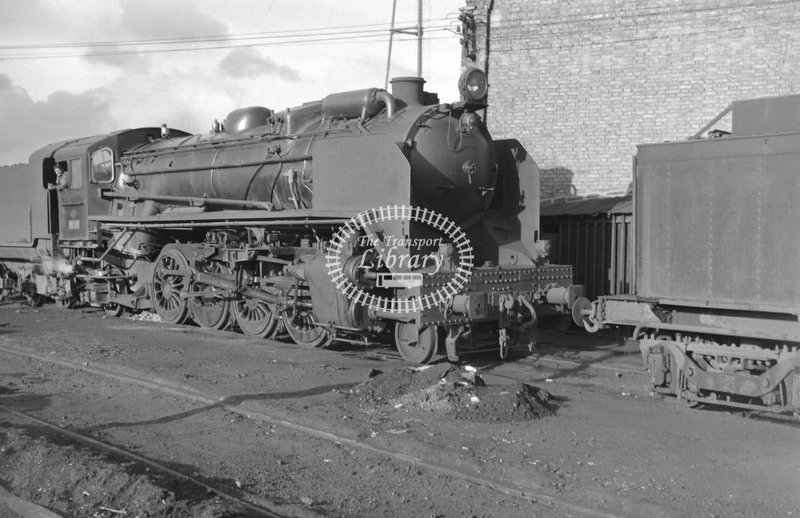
(327,41)
(322,35)
(336,32)
(314,31)
(372,32)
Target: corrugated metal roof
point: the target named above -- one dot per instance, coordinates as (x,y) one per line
(587,206)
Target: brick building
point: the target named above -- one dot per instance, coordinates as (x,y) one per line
(581,82)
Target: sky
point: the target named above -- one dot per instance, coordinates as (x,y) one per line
(72,68)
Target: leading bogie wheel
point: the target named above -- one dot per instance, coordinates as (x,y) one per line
(416,344)
(170,282)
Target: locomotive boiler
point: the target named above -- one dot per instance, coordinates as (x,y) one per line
(268,157)
(365,214)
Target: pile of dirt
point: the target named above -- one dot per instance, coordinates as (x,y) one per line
(77,481)
(460,393)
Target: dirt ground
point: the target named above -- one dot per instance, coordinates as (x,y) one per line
(570,429)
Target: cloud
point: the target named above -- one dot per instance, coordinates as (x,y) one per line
(247,62)
(173,20)
(29,125)
(47,100)
(137,21)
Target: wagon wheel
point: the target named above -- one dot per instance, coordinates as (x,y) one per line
(302,328)
(211,311)
(416,345)
(255,317)
(170,281)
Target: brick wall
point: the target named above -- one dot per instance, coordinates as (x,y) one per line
(581,82)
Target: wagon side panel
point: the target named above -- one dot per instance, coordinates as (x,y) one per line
(717,222)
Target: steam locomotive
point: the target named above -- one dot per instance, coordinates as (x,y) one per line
(365,214)
(717,289)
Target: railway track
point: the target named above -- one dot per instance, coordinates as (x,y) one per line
(105,447)
(119,373)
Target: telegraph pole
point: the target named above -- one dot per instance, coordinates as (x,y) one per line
(419,38)
(405,30)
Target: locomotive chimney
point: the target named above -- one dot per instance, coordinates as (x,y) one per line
(408,90)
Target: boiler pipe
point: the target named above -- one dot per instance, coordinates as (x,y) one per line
(223,166)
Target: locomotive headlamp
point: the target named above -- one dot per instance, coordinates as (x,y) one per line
(473,85)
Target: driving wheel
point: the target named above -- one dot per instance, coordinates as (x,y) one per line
(302,328)
(212,309)
(170,282)
(255,317)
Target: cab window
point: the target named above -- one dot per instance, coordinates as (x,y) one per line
(75,174)
(103,166)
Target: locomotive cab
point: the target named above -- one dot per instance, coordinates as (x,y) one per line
(66,184)
(73,185)
(89,168)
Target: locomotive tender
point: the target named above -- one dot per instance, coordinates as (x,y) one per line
(717,288)
(237,227)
